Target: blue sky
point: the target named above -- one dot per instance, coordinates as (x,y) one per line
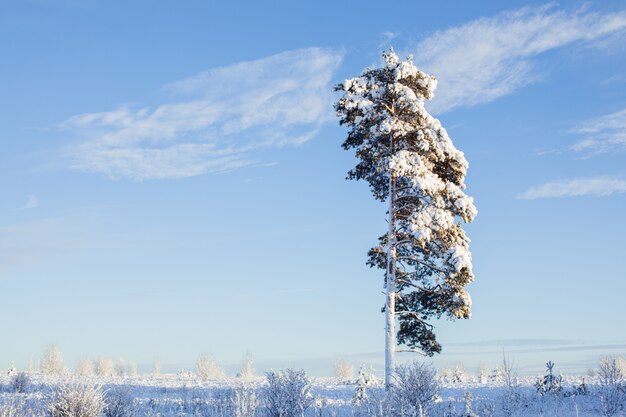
(172,180)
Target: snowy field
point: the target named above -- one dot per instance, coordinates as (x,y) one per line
(185,395)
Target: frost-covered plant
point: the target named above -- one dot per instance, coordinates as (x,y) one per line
(156,366)
(550,383)
(52,361)
(247,367)
(20,382)
(409,160)
(365,379)
(120,367)
(119,402)
(103,367)
(483,375)
(208,368)
(344,370)
(69,400)
(611,370)
(287,393)
(85,367)
(612,388)
(415,387)
(455,374)
(507,373)
(244,401)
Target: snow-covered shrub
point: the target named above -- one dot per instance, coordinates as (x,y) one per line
(455,374)
(85,367)
(343,370)
(119,402)
(69,400)
(156,366)
(288,393)
(612,370)
(52,361)
(506,373)
(247,367)
(612,387)
(244,401)
(20,382)
(103,367)
(365,379)
(483,375)
(550,383)
(208,368)
(132,368)
(120,367)
(415,387)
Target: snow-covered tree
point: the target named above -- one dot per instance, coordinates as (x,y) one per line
(52,361)
(409,161)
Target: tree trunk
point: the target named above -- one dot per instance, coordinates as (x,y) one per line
(390,307)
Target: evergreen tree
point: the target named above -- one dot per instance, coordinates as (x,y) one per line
(409,161)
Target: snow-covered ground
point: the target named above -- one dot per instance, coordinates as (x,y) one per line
(186,396)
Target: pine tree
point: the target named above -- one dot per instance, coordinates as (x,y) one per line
(409,161)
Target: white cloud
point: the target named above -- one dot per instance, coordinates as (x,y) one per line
(603,134)
(31,202)
(594,186)
(214,120)
(490,57)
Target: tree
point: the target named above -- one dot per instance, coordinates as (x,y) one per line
(52,361)
(409,161)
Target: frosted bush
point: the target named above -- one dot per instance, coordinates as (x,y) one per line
(244,401)
(247,367)
(288,393)
(120,367)
(52,361)
(85,367)
(415,387)
(119,402)
(69,400)
(208,368)
(103,367)
(343,370)
(365,379)
(612,388)
(156,366)
(20,382)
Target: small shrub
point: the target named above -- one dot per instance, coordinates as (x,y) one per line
(415,388)
(365,379)
(288,393)
(20,382)
(612,388)
(119,402)
(52,361)
(69,400)
(344,370)
(208,368)
(244,401)
(247,367)
(103,367)
(85,367)
(550,383)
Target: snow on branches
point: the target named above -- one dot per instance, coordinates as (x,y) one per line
(409,160)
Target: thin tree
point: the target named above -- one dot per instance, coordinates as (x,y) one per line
(409,161)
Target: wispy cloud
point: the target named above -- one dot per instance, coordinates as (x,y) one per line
(491,57)
(31,202)
(594,186)
(603,134)
(213,121)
